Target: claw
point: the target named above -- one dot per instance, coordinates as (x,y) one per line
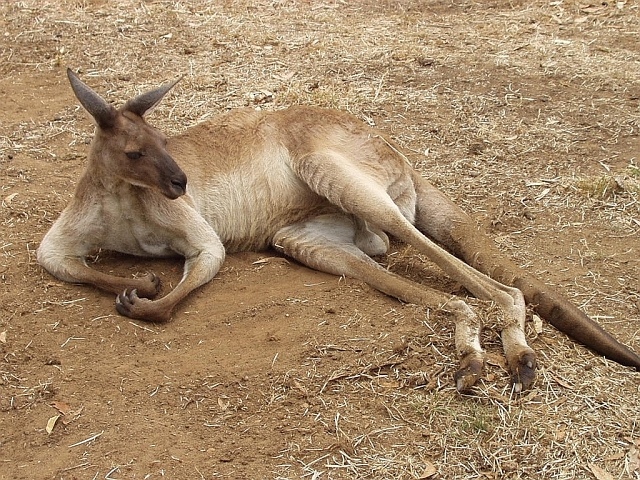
(523,373)
(123,304)
(129,304)
(469,372)
(148,286)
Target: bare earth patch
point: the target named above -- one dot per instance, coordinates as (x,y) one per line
(526,113)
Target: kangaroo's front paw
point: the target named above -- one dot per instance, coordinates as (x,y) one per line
(131,305)
(148,286)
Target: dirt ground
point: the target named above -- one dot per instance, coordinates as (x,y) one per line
(526,113)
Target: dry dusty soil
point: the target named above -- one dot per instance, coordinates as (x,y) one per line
(526,113)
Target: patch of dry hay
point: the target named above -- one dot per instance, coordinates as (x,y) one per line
(518,107)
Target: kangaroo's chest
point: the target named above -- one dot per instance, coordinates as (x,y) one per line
(129,231)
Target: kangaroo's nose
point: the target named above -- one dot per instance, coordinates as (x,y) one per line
(179,183)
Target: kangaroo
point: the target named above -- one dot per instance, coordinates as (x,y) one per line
(317,185)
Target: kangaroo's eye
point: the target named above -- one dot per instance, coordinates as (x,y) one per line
(134,155)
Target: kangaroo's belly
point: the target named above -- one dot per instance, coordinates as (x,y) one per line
(247,209)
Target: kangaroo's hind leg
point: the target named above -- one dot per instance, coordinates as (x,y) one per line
(328,243)
(381,190)
(443,221)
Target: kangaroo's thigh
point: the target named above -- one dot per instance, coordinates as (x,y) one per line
(364,189)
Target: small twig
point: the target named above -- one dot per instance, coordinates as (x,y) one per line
(108,475)
(87,440)
(101,317)
(86,464)
(71,338)
(143,328)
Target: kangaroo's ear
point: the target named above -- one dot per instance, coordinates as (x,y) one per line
(102,112)
(143,104)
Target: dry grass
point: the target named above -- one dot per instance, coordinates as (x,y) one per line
(526,114)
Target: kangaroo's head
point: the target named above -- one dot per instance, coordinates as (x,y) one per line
(126,146)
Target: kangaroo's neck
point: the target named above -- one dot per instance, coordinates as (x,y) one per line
(96,182)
